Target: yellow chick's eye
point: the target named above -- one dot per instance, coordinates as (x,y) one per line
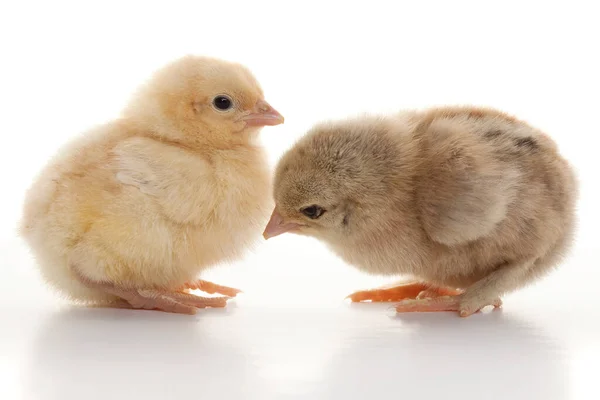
(312,212)
(222,103)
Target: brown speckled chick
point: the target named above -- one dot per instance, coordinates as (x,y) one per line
(471,202)
(132,211)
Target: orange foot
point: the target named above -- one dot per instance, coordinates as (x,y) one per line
(209,287)
(406,291)
(444,303)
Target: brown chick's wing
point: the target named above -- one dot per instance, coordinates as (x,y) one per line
(465,191)
(181,182)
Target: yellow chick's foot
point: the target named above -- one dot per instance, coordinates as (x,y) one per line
(443,303)
(210,288)
(401,292)
(153,299)
(162,300)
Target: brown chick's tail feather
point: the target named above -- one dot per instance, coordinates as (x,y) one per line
(443,303)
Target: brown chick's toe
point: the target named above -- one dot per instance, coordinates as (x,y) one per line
(434,292)
(210,288)
(443,303)
(397,293)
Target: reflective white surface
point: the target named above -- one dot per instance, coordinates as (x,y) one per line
(296,339)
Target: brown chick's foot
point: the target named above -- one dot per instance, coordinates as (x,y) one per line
(210,288)
(406,291)
(397,293)
(434,292)
(443,303)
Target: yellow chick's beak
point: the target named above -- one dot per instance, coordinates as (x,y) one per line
(263,115)
(277,226)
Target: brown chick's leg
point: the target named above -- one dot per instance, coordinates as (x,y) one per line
(442,303)
(484,292)
(401,292)
(210,288)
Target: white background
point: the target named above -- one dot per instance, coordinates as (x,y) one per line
(65,67)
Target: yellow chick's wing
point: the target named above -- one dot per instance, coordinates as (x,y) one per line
(182,182)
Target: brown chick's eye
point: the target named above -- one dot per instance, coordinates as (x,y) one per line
(222,103)
(312,212)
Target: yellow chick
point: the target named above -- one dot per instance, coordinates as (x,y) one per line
(129,214)
(471,202)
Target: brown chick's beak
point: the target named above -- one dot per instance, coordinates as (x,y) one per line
(277,226)
(264,115)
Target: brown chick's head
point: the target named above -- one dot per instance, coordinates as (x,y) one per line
(202,99)
(334,177)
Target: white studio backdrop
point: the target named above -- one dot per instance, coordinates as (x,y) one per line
(66,66)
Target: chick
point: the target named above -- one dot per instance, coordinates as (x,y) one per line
(132,211)
(471,202)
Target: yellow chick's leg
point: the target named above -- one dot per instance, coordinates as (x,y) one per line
(406,291)
(210,288)
(154,299)
(442,303)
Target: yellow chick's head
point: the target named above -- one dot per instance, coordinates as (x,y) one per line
(203,100)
